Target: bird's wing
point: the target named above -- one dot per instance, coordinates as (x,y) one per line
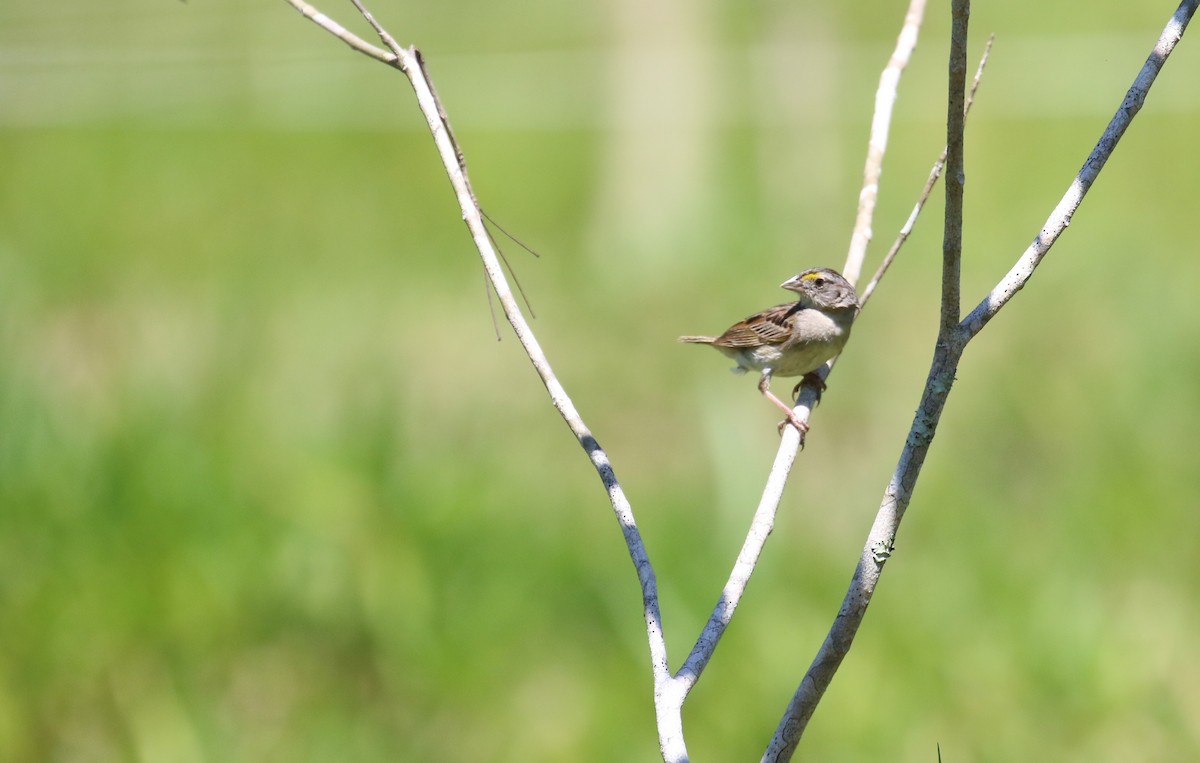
(771,326)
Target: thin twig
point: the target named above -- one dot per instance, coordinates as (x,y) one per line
(343,34)
(768,506)
(885,98)
(885,101)
(508,266)
(487,289)
(516,240)
(934,174)
(384,35)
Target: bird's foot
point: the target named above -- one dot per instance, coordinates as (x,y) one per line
(813,378)
(801,427)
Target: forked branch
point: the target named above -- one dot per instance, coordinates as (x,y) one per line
(1060,218)
(953,337)
(670,690)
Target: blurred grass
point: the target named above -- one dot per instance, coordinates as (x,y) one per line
(271,490)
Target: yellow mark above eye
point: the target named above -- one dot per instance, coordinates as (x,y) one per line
(811,276)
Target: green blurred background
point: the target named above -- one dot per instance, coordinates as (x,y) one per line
(270,489)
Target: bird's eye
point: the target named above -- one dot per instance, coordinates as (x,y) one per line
(819,282)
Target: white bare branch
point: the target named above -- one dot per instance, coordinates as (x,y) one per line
(409,61)
(885,102)
(768,505)
(934,174)
(671,690)
(952,340)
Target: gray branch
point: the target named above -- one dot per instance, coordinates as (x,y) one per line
(670,690)
(1060,218)
(953,337)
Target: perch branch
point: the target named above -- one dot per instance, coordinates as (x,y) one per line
(881,538)
(764,516)
(951,343)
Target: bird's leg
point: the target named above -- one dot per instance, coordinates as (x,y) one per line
(764,386)
(813,378)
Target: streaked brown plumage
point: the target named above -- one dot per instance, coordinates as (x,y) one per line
(793,339)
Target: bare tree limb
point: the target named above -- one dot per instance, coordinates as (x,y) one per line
(952,340)
(955,175)
(764,516)
(860,237)
(760,528)
(934,174)
(880,540)
(1060,218)
(409,61)
(885,101)
(384,36)
(670,691)
(343,34)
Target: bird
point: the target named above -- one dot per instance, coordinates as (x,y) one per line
(793,339)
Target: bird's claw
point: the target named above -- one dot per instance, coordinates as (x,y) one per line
(812,378)
(801,427)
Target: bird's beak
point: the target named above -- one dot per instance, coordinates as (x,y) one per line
(792,284)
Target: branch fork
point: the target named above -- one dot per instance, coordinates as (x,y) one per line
(955,332)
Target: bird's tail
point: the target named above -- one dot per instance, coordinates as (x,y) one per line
(697,339)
